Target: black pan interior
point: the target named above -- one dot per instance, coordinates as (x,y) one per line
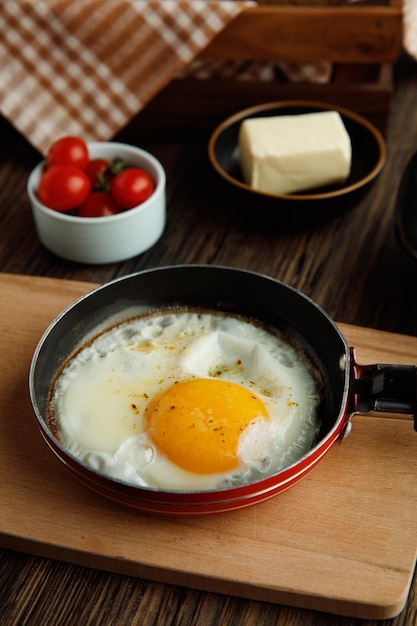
(225,289)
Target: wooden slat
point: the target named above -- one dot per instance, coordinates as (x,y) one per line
(189,106)
(340,34)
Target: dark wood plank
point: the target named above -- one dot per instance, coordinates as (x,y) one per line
(193,106)
(312,33)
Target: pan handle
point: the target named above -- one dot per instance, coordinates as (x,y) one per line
(385,388)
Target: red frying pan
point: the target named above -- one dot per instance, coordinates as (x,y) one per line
(348,387)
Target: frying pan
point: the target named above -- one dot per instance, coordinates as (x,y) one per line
(348,387)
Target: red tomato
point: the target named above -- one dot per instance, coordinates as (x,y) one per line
(68,151)
(97,204)
(63,187)
(131,187)
(96,170)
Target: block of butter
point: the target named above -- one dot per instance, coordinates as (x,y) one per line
(290,153)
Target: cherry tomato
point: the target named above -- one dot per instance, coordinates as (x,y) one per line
(96,170)
(68,151)
(97,204)
(63,187)
(131,187)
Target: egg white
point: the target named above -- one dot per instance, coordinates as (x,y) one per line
(99,399)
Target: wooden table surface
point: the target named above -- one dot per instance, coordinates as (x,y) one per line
(352,266)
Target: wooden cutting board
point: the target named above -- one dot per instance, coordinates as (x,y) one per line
(343,540)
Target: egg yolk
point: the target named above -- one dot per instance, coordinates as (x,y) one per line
(197,423)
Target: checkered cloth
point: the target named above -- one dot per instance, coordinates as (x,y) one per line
(87,67)
(410,27)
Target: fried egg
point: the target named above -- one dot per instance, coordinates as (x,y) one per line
(186,400)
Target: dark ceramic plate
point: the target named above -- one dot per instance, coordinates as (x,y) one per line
(368,158)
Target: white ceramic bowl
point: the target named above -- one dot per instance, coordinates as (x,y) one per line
(107,239)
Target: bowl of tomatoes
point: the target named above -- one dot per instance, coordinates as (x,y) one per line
(97,202)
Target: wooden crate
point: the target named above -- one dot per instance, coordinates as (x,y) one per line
(361,40)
